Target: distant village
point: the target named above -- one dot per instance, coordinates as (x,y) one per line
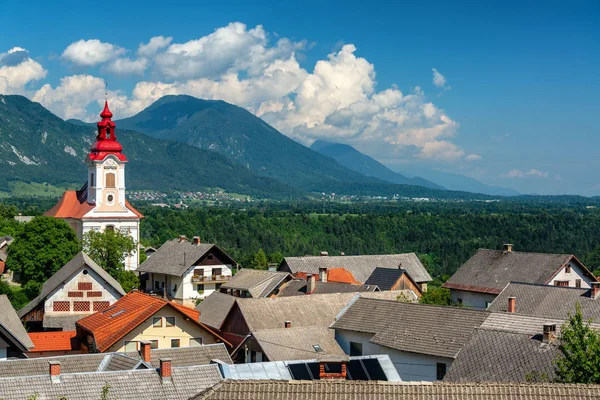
(328,326)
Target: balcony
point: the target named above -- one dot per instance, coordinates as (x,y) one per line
(210,278)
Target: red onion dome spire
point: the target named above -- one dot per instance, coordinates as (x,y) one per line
(106,140)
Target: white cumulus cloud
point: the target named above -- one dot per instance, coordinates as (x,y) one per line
(473,157)
(127,66)
(17,69)
(89,53)
(153,46)
(439,80)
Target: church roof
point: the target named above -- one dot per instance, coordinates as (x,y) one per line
(73,205)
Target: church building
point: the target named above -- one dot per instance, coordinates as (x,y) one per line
(101,204)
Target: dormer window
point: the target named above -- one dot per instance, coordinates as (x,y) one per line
(108,133)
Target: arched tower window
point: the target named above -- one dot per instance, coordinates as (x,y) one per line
(110,180)
(92,179)
(110,228)
(108,133)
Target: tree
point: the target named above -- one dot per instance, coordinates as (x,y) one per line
(40,249)
(579,361)
(109,249)
(260,260)
(436,295)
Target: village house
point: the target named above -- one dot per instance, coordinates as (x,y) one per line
(421,340)
(479,280)
(53,343)
(80,288)
(101,203)
(255,283)
(557,302)
(509,348)
(359,267)
(248,317)
(184,271)
(14,341)
(5,241)
(138,317)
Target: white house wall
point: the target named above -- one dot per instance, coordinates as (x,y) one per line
(410,366)
(576,273)
(479,301)
(61,292)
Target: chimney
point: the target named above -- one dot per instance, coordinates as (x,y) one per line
(182,238)
(323,274)
(165,369)
(549,333)
(287,324)
(329,370)
(196,240)
(311,283)
(54,370)
(324,254)
(595,290)
(145,351)
(512,304)
(508,247)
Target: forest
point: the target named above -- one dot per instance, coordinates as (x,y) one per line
(444,235)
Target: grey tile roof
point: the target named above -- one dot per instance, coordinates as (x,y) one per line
(361,266)
(369,390)
(297,343)
(297,287)
(3,255)
(136,384)
(79,261)
(416,328)
(547,301)
(11,325)
(182,357)
(491,270)
(64,322)
(175,257)
(215,308)
(312,310)
(384,278)
(121,362)
(258,282)
(189,356)
(503,356)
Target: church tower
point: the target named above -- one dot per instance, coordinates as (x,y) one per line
(101,204)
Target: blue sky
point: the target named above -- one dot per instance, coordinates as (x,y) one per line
(518,107)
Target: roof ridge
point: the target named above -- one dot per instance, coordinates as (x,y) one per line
(424,305)
(528,252)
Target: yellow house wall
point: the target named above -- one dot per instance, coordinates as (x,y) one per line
(183,330)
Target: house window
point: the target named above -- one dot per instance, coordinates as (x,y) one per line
(92,179)
(568,269)
(100,305)
(84,286)
(110,180)
(578,283)
(252,356)
(488,304)
(157,322)
(131,346)
(195,342)
(459,301)
(200,288)
(156,285)
(356,349)
(210,257)
(218,286)
(175,342)
(217,271)
(170,322)
(561,283)
(64,306)
(440,371)
(153,344)
(175,288)
(96,293)
(81,306)
(110,227)
(74,294)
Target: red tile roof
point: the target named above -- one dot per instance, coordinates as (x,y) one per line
(110,325)
(341,275)
(54,341)
(72,206)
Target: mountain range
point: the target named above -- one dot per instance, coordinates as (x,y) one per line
(188,144)
(351,158)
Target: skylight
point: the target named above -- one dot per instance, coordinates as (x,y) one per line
(317,348)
